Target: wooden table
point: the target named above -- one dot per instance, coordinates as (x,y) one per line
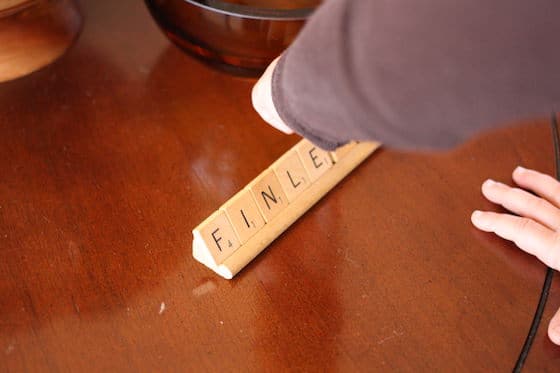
(110,156)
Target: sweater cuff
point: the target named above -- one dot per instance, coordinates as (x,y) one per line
(282,102)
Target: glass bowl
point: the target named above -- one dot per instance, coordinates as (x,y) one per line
(242,36)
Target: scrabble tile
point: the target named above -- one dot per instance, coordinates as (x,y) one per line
(292,175)
(244,215)
(218,235)
(342,151)
(268,194)
(315,160)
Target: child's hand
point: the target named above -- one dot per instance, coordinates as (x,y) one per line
(262,100)
(535,227)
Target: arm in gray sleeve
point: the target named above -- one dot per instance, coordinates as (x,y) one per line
(419,74)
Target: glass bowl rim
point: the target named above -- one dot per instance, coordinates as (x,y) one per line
(247,11)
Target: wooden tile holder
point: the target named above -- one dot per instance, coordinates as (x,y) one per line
(343,162)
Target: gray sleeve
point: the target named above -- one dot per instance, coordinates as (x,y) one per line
(419,74)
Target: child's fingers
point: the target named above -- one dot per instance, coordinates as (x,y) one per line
(535,231)
(554,328)
(543,185)
(527,234)
(522,203)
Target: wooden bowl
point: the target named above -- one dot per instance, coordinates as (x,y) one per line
(34,33)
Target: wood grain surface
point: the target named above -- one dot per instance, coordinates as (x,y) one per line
(111,155)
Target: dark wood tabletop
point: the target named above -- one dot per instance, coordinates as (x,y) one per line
(112,155)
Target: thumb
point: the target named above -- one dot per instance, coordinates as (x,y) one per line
(262,100)
(554,328)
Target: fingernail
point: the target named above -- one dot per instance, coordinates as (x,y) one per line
(489,182)
(476,214)
(476,217)
(520,169)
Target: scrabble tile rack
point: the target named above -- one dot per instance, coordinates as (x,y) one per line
(249,221)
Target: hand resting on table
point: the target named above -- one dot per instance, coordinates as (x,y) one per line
(533,224)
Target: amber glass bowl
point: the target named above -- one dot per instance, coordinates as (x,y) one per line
(243,36)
